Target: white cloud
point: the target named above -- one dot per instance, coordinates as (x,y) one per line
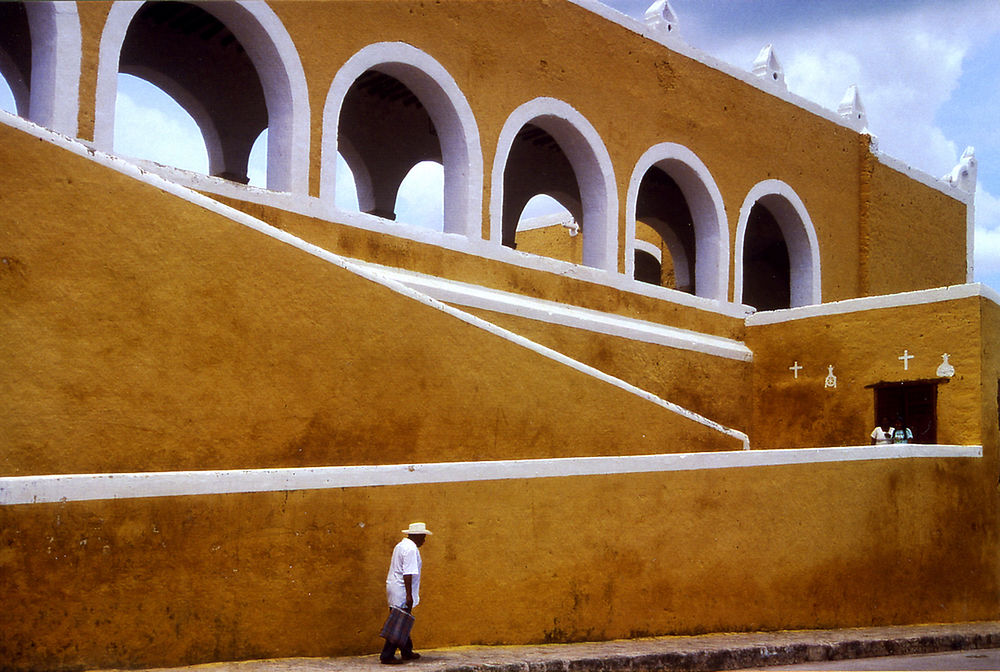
(150,125)
(987,242)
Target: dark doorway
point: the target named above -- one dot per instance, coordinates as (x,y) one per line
(915,403)
(766,267)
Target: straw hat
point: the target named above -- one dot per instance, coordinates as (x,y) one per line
(417,528)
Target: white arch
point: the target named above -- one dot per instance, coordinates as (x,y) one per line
(449,111)
(648,248)
(800,237)
(591,162)
(56,54)
(708,214)
(276,60)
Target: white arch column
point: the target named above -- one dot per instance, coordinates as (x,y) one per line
(449,111)
(276,61)
(800,238)
(55,65)
(708,212)
(591,163)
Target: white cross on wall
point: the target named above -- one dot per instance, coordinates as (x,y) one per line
(795,369)
(906,357)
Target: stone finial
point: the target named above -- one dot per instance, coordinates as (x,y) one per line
(768,67)
(964,174)
(661,17)
(852,109)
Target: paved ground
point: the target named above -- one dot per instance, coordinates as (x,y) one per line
(660,654)
(978,659)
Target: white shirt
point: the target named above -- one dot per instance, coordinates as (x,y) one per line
(405,560)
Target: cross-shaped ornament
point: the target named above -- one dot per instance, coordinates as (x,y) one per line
(795,369)
(905,357)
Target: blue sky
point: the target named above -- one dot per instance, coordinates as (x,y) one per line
(928,74)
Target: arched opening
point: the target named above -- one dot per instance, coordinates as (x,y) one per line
(391,111)
(675,209)
(766,270)
(420,200)
(257,165)
(230,65)
(536,165)
(390,132)
(193,57)
(40,62)
(547,228)
(648,265)
(15,54)
(664,220)
(777,263)
(153,126)
(547,147)
(346,197)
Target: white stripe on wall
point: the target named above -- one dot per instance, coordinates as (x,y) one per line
(84,487)
(507,303)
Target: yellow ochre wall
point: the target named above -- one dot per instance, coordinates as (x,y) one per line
(864,348)
(143,332)
(159,336)
(146,333)
(170,581)
(646,95)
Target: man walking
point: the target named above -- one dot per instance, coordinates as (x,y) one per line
(402,587)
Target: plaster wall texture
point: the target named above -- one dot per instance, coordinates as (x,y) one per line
(710,385)
(864,348)
(158,336)
(898,217)
(146,333)
(456,265)
(742,135)
(169,581)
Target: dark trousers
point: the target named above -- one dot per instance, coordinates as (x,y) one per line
(389,650)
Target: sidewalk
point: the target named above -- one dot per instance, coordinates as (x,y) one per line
(705,652)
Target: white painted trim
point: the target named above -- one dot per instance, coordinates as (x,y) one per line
(475,296)
(708,212)
(648,248)
(799,234)
(591,162)
(276,60)
(243,219)
(314,207)
(15,490)
(917,298)
(449,111)
(56,54)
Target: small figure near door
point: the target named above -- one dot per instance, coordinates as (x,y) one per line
(900,433)
(882,433)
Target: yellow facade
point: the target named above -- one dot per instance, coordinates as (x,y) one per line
(156,330)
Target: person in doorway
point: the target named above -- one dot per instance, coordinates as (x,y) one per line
(881,433)
(900,433)
(402,587)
